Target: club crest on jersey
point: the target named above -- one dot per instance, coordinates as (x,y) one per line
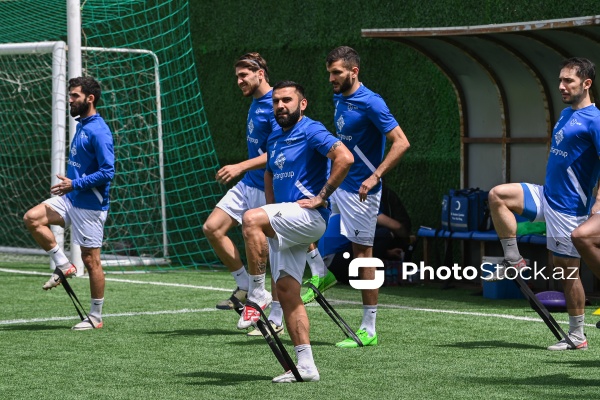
(289,141)
(251,127)
(352,107)
(340,123)
(280,160)
(259,110)
(559,137)
(574,122)
(73,151)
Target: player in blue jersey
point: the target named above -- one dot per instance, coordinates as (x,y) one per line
(297,187)
(253,79)
(565,200)
(82,197)
(363,123)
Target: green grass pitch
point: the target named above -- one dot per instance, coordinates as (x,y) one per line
(163,339)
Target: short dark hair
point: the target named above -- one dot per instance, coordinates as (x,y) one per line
(253,61)
(88,86)
(297,86)
(348,55)
(585,68)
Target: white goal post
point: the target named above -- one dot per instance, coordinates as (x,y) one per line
(58,51)
(59,109)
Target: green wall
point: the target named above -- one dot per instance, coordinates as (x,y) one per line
(295,37)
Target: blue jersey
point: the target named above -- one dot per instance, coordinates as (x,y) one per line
(91,164)
(362,121)
(573,165)
(298,161)
(261,122)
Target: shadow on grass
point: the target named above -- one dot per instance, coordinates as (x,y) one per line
(222,378)
(244,340)
(491,344)
(32,328)
(259,340)
(578,363)
(554,380)
(198,332)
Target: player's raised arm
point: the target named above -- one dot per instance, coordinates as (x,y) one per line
(399,146)
(342,159)
(229,172)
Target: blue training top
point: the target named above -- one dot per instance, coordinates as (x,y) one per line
(573,166)
(298,161)
(362,120)
(261,122)
(91,164)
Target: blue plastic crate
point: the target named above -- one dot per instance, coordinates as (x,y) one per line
(504,289)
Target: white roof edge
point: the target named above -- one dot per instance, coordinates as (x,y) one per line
(492,28)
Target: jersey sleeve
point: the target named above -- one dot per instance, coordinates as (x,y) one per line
(103,147)
(379,114)
(319,138)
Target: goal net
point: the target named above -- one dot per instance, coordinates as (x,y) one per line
(164,185)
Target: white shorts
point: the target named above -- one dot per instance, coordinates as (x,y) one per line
(558,225)
(295,228)
(358,219)
(87,226)
(240,199)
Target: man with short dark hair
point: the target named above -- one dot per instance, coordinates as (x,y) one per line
(564,202)
(296,188)
(253,80)
(81,198)
(363,123)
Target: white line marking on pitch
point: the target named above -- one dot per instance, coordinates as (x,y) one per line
(476,314)
(126,314)
(15,271)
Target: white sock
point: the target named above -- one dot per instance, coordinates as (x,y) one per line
(58,256)
(276,314)
(305,357)
(576,325)
(96,309)
(241,278)
(316,264)
(368,321)
(511,251)
(256,287)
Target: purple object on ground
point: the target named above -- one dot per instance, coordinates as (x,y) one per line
(552,299)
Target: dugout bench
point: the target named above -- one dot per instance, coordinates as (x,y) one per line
(474,245)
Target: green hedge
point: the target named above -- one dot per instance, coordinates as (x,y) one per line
(295,37)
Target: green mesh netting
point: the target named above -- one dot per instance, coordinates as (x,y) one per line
(148,222)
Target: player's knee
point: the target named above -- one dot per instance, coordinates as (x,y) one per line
(90,260)
(494,196)
(581,237)
(29,220)
(209,229)
(288,288)
(577,235)
(252,219)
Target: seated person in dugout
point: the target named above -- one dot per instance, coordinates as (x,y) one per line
(392,237)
